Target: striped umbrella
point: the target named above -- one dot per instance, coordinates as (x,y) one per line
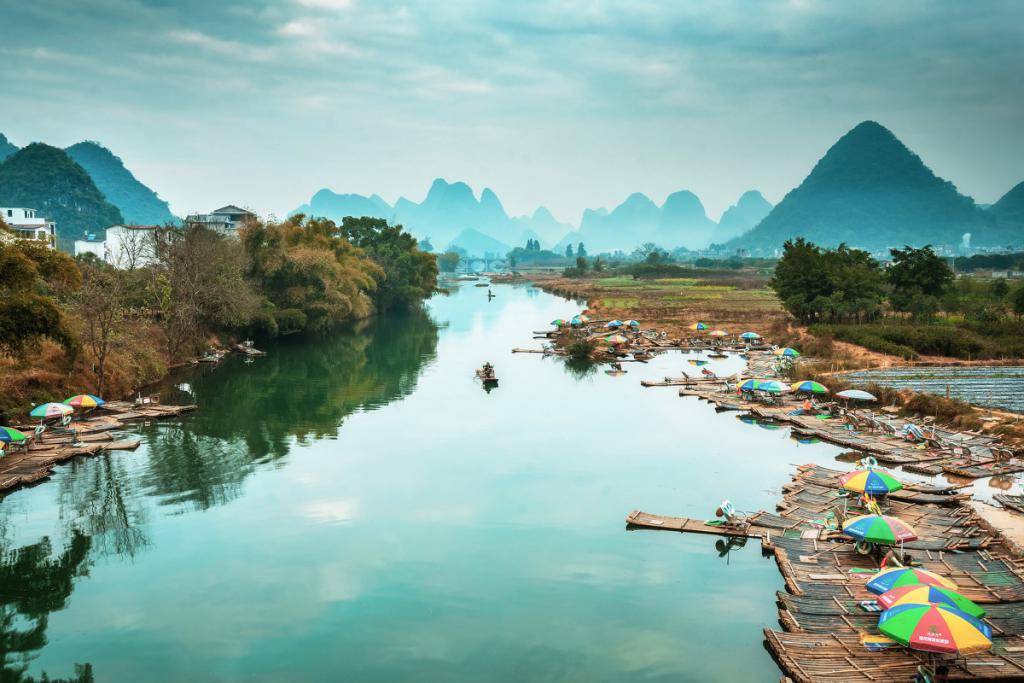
(809,386)
(718,333)
(750,385)
(881,529)
(937,595)
(51,410)
(84,401)
(615,339)
(11,435)
(935,628)
(772,386)
(700,327)
(750,335)
(870,481)
(887,579)
(787,352)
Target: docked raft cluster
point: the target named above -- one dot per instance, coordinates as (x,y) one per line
(33,450)
(828,616)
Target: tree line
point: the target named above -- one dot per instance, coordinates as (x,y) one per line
(844,285)
(177,289)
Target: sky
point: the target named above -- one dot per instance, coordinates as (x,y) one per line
(569,104)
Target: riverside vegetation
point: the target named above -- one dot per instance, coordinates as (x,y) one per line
(69,325)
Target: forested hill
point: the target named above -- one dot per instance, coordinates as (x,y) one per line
(871,192)
(45,178)
(6,147)
(138,203)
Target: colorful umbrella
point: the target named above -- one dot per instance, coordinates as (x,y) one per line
(612,324)
(937,595)
(635,324)
(880,529)
(718,333)
(700,327)
(698,362)
(558,322)
(856,395)
(615,339)
(870,481)
(935,628)
(809,386)
(771,386)
(887,579)
(750,335)
(575,321)
(787,352)
(51,410)
(750,385)
(84,401)
(11,435)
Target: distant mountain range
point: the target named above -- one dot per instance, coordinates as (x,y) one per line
(451,215)
(84,188)
(871,192)
(47,179)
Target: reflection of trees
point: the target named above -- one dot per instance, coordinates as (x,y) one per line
(33,584)
(98,500)
(303,389)
(580,367)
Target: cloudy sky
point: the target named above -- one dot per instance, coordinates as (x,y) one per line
(568,104)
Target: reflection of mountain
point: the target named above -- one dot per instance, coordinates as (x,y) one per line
(300,390)
(33,584)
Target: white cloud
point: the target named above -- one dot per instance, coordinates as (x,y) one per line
(300,28)
(326,4)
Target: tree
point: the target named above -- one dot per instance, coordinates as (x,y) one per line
(598,265)
(101,308)
(915,273)
(580,251)
(410,275)
(568,251)
(448,262)
(425,245)
(27,313)
(1017,300)
(1000,289)
(581,264)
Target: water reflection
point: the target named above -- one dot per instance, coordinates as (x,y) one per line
(99,501)
(33,584)
(299,392)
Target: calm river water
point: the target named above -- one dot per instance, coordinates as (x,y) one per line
(358,508)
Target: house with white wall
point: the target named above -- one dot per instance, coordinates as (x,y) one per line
(27,225)
(226,220)
(125,247)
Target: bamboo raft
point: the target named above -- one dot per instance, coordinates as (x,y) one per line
(90,436)
(1010,502)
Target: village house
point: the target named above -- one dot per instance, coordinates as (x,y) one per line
(125,247)
(225,220)
(29,226)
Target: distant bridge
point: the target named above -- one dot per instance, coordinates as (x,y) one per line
(473,264)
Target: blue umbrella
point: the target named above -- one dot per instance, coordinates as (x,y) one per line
(772,387)
(613,324)
(750,385)
(750,335)
(634,324)
(856,395)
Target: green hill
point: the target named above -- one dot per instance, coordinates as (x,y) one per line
(6,147)
(138,204)
(45,178)
(1009,210)
(871,192)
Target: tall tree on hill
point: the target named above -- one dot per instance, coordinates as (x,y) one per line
(919,278)
(568,251)
(410,275)
(102,309)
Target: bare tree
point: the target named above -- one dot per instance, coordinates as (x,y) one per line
(136,249)
(102,309)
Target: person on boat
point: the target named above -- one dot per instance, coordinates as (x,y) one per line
(488,370)
(616,366)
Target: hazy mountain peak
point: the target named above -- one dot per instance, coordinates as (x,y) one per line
(749,210)
(541,213)
(137,202)
(1010,207)
(6,147)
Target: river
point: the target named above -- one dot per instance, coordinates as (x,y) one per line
(359,508)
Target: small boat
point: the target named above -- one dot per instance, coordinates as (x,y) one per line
(481,284)
(487,379)
(718,354)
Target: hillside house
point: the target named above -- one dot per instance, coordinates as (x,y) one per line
(29,226)
(226,220)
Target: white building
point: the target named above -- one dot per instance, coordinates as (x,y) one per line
(226,220)
(126,246)
(28,226)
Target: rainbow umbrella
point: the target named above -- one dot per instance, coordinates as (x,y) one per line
(750,335)
(937,595)
(612,324)
(869,481)
(809,386)
(750,385)
(698,362)
(771,386)
(615,339)
(881,529)
(718,333)
(51,410)
(700,327)
(11,435)
(935,628)
(887,579)
(787,352)
(84,401)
